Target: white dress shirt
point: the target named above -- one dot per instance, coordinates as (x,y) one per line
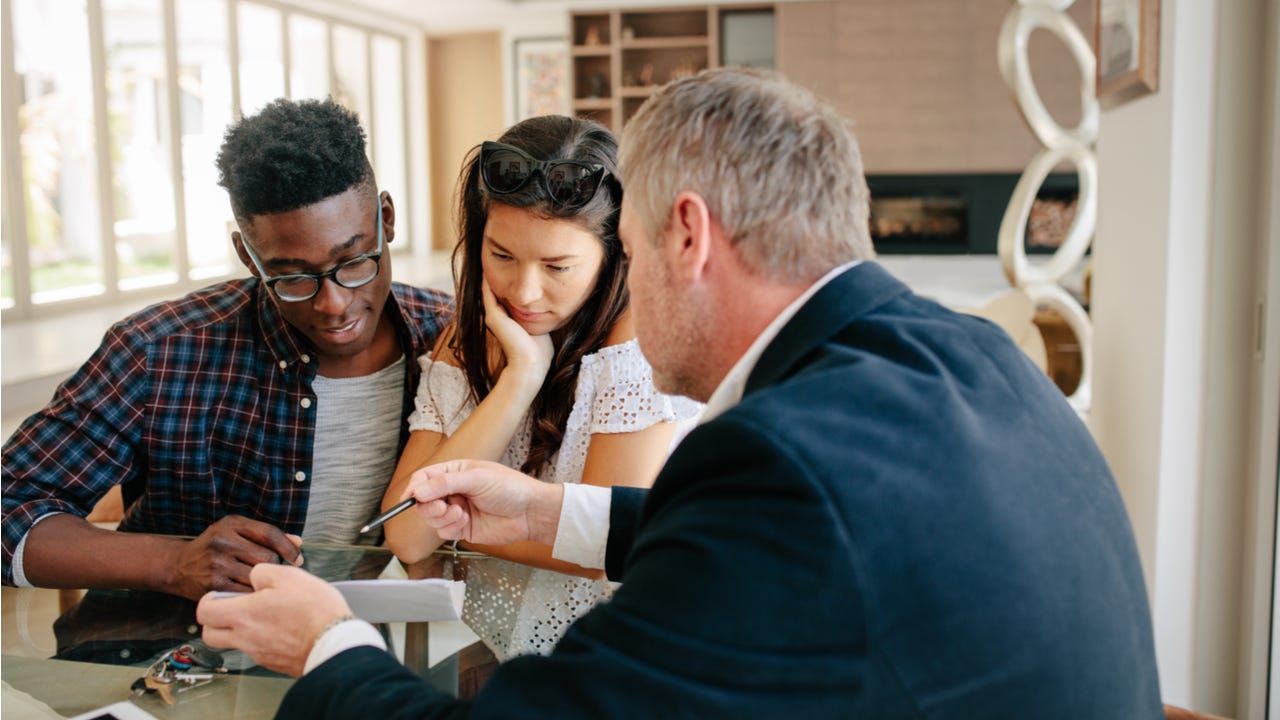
(340,638)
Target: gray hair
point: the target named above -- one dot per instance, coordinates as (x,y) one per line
(779,169)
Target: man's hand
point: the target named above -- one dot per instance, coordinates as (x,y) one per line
(221,557)
(278,623)
(486,502)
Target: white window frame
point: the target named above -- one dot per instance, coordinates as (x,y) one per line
(409,220)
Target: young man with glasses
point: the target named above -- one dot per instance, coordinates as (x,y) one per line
(251,414)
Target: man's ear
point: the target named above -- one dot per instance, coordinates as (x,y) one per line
(689,236)
(388,216)
(238,241)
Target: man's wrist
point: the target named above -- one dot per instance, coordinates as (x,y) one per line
(166,576)
(544,513)
(331,625)
(340,637)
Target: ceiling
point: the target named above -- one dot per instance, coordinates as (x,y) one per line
(456,15)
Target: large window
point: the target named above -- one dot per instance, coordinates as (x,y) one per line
(389,126)
(204,111)
(139,139)
(112,116)
(58,224)
(261,56)
(309,58)
(351,70)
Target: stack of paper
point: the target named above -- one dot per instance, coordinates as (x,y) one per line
(382,601)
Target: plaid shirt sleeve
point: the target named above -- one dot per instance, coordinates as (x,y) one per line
(197,410)
(67,456)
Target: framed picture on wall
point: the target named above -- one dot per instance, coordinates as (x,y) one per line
(541,76)
(1127,44)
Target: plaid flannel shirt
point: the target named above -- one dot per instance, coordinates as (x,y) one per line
(200,407)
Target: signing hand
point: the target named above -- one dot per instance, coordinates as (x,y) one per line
(486,502)
(525,353)
(221,557)
(278,623)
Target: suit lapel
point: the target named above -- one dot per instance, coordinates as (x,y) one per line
(847,297)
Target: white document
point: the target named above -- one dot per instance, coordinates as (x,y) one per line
(389,600)
(393,600)
(123,710)
(18,704)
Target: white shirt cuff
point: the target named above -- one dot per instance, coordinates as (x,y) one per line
(19,576)
(339,639)
(583,534)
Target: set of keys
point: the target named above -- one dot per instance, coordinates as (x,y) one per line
(178,670)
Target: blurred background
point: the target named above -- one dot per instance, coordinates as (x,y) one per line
(112,112)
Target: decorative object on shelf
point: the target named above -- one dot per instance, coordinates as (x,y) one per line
(1127,39)
(541,76)
(592,37)
(1050,221)
(597,85)
(641,48)
(686,68)
(1042,282)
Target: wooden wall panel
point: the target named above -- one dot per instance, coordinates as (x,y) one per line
(920,81)
(464,107)
(805,44)
(904,81)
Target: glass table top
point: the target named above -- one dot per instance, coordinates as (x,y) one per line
(74,651)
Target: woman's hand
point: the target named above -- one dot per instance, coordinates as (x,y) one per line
(529,355)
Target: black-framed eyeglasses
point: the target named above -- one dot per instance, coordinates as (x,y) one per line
(298,287)
(570,183)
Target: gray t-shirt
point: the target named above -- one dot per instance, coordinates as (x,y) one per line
(357,435)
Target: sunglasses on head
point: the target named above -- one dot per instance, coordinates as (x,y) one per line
(570,183)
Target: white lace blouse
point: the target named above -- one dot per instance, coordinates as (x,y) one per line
(513,608)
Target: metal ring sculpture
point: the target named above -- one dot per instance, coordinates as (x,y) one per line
(1042,281)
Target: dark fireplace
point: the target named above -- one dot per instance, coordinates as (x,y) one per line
(961,214)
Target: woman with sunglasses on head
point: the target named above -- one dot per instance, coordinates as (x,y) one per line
(540,369)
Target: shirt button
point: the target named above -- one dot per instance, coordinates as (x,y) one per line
(300,476)
(306,358)
(283,364)
(306,402)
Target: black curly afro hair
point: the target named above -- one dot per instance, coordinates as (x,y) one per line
(290,155)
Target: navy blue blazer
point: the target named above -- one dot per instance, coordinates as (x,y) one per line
(903,518)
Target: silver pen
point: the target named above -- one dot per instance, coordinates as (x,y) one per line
(378,521)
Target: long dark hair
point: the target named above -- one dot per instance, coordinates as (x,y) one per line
(549,137)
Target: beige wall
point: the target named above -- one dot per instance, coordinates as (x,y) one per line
(1260,654)
(464,107)
(1175,289)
